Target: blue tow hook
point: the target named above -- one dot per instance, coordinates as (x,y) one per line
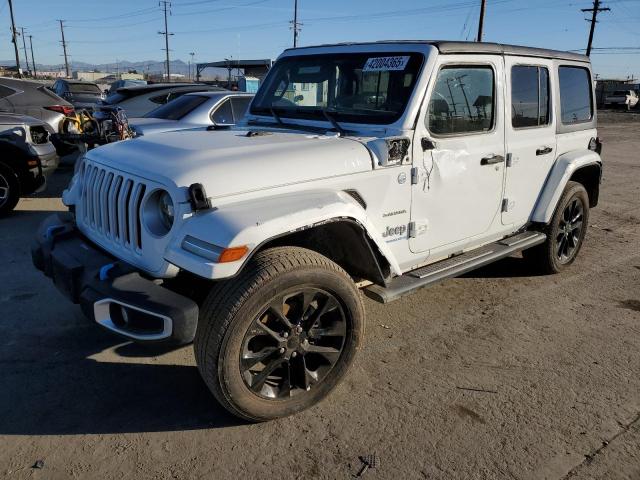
(51,230)
(104,271)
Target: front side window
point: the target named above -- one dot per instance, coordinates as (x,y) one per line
(371,88)
(529,96)
(575,95)
(462,100)
(178,108)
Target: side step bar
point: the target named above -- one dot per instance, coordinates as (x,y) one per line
(453,266)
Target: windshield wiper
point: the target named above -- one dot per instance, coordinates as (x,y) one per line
(328,114)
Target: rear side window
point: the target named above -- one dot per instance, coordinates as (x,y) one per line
(462,101)
(529,96)
(575,95)
(6,91)
(240,105)
(223,114)
(178,108)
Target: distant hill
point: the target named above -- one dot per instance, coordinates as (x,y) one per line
(147,66)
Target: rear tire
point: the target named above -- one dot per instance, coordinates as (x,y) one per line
(565,232)
(9,190)
(280,336)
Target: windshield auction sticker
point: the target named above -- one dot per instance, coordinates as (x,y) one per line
(383,64)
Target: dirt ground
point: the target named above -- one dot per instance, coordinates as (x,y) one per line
(495,375)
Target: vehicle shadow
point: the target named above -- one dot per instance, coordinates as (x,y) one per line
(69,396)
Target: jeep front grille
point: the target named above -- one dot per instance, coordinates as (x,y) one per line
(111,206)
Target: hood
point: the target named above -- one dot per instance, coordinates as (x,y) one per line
(229,162)
(17,119)
(147,126)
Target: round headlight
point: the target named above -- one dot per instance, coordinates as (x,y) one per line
(158,213)
(167,212)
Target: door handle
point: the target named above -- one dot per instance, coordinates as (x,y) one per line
(492,159)
(544,150)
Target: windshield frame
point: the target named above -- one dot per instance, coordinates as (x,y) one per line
(417,60)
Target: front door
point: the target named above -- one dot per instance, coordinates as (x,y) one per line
(459,155)
(531,135)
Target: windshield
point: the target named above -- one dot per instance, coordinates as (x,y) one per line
(178,108)
(356,87)
(83,88)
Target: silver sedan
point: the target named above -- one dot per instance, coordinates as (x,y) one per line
(194,110)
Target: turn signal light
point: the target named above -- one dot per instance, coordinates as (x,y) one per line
(232,254)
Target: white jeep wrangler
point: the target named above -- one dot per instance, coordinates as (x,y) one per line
(381,167)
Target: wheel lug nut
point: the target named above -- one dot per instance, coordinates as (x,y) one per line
(285,334)
(281,350)
(294,354)
(298,329)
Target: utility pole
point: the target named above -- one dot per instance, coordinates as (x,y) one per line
(295,24)
(13,39)
(24,47)
(166,6)
(64,49)
(594,14)
(33,61)
(481,21)
(191,63)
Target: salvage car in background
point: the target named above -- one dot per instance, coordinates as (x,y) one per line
(113,88)
(82,95)
(139,100)
(192,110)
(628,98)
(28,97)
(27,157)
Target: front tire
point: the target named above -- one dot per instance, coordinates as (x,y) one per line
(9,190)
(565,232)
(279,338)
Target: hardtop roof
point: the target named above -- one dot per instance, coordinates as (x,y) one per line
(449,47)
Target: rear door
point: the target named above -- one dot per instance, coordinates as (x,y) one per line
(530,134)
(458,154)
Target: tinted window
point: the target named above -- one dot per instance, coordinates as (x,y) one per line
(529,96)
(177,108)
(5,91)
(356,87)
(159,99)
(462,100)
(83,88)
(575,94)
(240,105)
(223,114)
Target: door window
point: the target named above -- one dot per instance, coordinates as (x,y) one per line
(529,96)
(575,95)
(462,100)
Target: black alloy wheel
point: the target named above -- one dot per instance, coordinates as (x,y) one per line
(569,232)
(293,344)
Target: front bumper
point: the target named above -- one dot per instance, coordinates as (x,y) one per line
(111,292)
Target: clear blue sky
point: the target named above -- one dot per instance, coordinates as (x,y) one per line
(101,31)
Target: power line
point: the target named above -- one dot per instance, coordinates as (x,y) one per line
(594,14)
(166,6)
(64,49)
(13,39)
(481,20)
